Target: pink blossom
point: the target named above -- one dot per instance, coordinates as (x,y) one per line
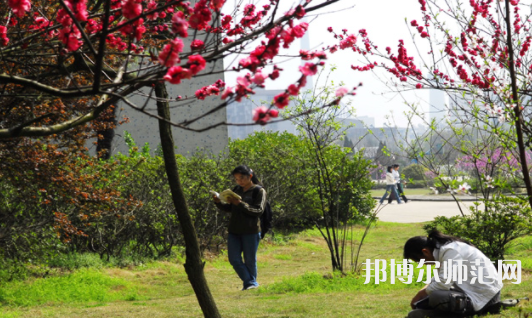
(275,74)
(302,81)
(413,23)
(170,54)
(176,73)
(4,40)
(293,90)
(287,36)
(424,34)
(306,55)
(226,21)
(299,30)
(348,42)
(196,63)
(259,77)
(274,113)
(205,91)
(309,69)
(281,100)
(242,89)
(19,7)
(229,91)
(69,37)
(180,24)
(216,5)
(251,62)
(201,16)
(79,7)
(132,8)
(419,86)
(300,12)
(243,80)
(320,55)
(197,45)
(260,115)
(341,92)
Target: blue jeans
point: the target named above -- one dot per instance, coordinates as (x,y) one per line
(392,188)
(247,244)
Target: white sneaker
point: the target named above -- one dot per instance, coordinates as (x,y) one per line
(251,287)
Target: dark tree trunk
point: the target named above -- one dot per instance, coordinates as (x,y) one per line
(517,110)
(193,264)
(103,148)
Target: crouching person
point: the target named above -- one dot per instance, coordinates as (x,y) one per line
(448,297)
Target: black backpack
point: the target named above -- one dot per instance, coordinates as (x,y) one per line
(266,217)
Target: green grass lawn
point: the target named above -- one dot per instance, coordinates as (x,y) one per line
(294,273)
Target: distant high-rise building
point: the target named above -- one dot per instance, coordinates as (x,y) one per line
(242,113)
(437,106)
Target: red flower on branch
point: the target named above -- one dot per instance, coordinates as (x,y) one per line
(197,45)
(309,69)
(170,54)
(281,100)
(19,7)
(132,8)
(176,73)
(196,63)
(180,24)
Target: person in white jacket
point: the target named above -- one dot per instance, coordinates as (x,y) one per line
(391,186)
(450,293)
(400,191)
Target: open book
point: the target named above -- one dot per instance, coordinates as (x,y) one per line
(225,195)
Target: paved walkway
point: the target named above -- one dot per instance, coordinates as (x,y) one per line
(423,208)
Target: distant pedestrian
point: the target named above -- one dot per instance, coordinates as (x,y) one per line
(391,186)
(400,190)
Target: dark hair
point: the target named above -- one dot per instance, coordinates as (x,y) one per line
(389,169)
(435,239)
(245,170)
(395,165)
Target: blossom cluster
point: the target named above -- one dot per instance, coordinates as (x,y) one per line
(213,89)
(131,25)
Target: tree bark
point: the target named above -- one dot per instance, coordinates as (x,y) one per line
(193,263)
(517,110)
(104,146)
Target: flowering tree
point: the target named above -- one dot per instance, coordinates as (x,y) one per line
(66,64)
(489,163)
(479,54)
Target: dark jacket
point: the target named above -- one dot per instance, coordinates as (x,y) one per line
(245,217)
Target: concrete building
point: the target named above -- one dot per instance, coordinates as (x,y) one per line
(437,107)
(145,129)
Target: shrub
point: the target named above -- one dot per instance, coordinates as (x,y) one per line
(491,230)
(414,172)
(138,220)
(416,184)
(285,163)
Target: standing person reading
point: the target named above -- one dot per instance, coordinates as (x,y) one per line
(244,224)
(446,296)
(391,186)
